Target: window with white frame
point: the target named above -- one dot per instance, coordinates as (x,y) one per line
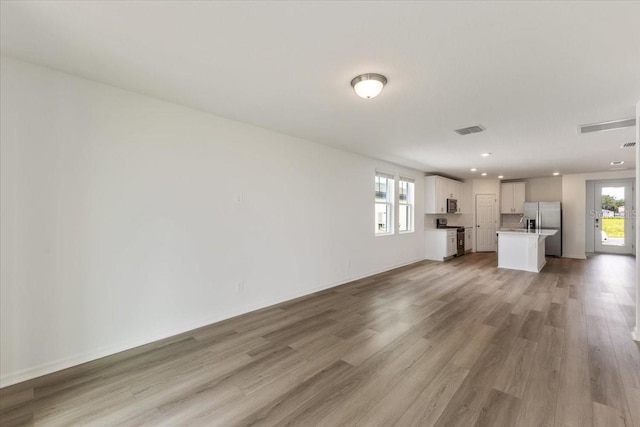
(384,186)
(406,194)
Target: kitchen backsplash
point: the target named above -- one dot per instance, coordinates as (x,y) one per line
(464,220)
(511,221)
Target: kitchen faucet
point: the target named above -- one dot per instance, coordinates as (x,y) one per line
(527,221)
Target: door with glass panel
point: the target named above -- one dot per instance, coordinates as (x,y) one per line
(613,217)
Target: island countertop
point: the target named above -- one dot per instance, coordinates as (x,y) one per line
(523,231)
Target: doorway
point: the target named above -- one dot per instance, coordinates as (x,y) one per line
(613,217)
(485,223)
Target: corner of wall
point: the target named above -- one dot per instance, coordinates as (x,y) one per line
(636,333)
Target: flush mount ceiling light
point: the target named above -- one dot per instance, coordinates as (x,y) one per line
(617,163)
(556,173)
(484,174)
(368,85)
(500,176)
(473,169)
(485,154)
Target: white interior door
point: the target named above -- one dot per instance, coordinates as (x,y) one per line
(485,223)
(613,222)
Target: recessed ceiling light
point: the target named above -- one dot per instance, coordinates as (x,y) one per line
(485,154)
(473,169)
(484,174)
(617,163)
(556,173)
(368,85)
(500,176)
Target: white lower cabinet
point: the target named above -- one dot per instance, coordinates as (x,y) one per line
(439,244)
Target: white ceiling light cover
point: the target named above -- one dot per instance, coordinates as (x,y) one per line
(369,85)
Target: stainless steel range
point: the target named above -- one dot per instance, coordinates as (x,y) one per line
(442,223)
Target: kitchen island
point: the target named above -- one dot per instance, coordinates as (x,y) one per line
(519,249)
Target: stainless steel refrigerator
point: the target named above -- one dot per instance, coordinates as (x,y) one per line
(549,215)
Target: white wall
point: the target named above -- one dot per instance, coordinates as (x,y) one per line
(574,209)
(125,219)
(546,189)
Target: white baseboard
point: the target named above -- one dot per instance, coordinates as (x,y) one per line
(575,256)
(78,359)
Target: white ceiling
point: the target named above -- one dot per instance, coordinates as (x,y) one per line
(530,72)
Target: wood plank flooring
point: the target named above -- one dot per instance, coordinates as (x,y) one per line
(460,343)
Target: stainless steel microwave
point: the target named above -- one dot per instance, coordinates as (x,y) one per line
(452,206)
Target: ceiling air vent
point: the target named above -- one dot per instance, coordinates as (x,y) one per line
(628,144)
(599,127)
(467,131)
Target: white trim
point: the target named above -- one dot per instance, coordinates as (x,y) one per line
(410,201)
(574,256)
(384,234)
(629,232)
(385,174)
(78,359)
(636,332)
(391,202)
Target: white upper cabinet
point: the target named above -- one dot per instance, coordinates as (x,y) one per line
(435,194)
(518,197)
(512,198)
(437,190)
(454,189)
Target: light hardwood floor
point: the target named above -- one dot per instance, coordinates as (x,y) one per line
(459,343)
